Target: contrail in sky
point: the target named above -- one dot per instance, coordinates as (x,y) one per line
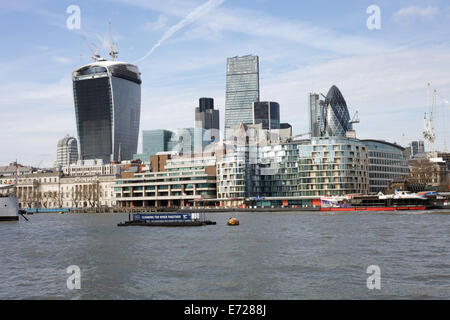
(191,17)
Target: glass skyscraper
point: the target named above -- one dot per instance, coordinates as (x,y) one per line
(107,96)
(317,115)
(207,118)
(329,117)
(154,141)
(338,118)
(267,114)
(417,147)
(242,89)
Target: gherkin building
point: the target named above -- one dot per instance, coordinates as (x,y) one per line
(337,116)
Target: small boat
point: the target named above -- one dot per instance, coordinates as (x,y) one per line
(9,209)
(233,222)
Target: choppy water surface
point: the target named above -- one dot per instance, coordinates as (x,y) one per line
(269,256)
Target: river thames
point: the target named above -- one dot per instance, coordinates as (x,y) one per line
(281,255)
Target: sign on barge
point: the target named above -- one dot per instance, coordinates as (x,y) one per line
(167,220)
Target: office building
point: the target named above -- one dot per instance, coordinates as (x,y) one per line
(55,190)
(266,113)
(433,173)
(154,141)
(207,118)
(66,151)
(107,96)
(387,163)
(332,166)
(242,89)
(317,115)
(189,141)
(184,181)
(329,117)
(91,167)
(417,147)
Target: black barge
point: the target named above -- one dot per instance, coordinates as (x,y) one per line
(167,220)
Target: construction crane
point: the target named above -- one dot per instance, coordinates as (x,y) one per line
(298,136)
(95,55)
(113,53)
(429,132)
(355,118)
(444,118)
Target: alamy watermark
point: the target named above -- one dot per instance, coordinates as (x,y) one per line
(73,22)
(74,280)
(374,20)
(374,280)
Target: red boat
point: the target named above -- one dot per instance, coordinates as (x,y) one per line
(400,201)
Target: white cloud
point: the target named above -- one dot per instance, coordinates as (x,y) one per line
(63,60)
(177,8)
(415,11)
(192,16)
(259,24)
(388,90)
(160,23)
(38,115)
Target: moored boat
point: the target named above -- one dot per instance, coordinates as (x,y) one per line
(9,209)
(179,219)
(399,201)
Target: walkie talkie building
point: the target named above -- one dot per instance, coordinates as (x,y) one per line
(107,96)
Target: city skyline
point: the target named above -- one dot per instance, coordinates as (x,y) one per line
(382,73)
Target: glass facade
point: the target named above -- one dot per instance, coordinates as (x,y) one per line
(417,147)
(242,89)
(318,167)
(207,118)
(338,118)
(317,115)
(107,96)
(329,117)
(267,114)
(154,141)
(386,164)
(189,141)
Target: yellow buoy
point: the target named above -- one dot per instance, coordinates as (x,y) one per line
(233,222)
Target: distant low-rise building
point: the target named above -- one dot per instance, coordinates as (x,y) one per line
(91,167)
(54,190)
(432,172)
(66,151)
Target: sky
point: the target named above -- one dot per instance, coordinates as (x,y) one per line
(181,46)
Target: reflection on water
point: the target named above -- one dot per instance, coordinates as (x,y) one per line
(269,256)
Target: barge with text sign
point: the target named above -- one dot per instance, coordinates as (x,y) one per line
(180,219)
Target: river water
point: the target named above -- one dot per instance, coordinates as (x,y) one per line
(281,255)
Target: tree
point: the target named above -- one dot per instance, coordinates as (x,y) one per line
(75,195)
